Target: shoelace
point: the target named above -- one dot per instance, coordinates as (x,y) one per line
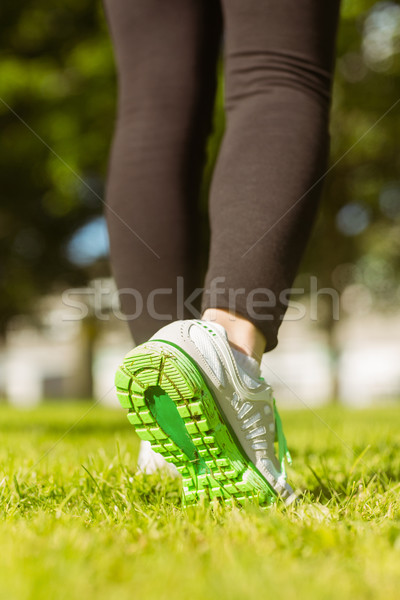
(283,450)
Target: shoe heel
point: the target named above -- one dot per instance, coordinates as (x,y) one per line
(170,405)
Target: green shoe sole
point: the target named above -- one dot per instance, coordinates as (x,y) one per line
(171,406)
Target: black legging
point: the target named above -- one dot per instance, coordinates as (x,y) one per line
(278,61)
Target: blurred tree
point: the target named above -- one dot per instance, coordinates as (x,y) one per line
(355,247)
(56,116)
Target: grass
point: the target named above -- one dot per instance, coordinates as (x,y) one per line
(77,523)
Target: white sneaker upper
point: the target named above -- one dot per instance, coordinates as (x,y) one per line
(246,403)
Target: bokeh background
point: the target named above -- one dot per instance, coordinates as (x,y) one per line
(57,111)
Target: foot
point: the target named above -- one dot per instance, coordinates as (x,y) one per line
(203,413)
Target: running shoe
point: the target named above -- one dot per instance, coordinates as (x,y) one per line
(186,395)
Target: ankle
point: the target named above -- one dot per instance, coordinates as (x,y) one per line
(242,334)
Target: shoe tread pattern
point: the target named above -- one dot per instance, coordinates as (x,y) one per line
(229,474)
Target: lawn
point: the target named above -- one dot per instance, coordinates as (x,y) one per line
(77,523)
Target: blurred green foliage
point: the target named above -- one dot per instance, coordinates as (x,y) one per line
(357,235)
(56,117)
(57,110)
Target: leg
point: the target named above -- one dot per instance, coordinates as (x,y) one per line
(166,54)
(243,335)
(278,70)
